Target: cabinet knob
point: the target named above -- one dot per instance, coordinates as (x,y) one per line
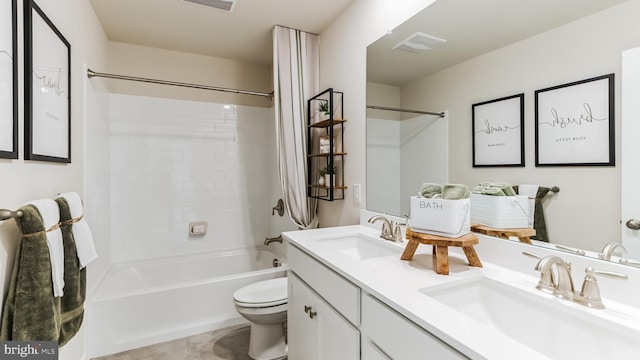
(312,314)
(307,308)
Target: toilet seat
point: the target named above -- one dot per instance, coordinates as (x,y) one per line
(262,294)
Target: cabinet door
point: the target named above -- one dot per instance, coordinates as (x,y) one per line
(316,330)
(400,338)
(302,334)
(371,352)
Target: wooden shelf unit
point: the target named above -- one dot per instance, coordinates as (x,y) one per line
(333,127)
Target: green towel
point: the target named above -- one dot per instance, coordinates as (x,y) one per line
(494,189)
(455,191)
(75,280)
(429,190)
(31,312)
(539,221)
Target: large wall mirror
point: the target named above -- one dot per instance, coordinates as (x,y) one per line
(493,49)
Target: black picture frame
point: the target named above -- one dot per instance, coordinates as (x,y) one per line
(575,123)
(47,88)
(9,80)
(498,132)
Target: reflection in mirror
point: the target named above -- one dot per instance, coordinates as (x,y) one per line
(496,48)
(401,155)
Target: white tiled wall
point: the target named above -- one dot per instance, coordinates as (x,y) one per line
(98,178)
(175,161)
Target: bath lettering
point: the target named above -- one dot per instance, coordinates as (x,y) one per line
(430,205)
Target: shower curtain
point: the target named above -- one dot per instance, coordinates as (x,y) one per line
(296,78)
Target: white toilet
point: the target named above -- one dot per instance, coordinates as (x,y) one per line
(264,303)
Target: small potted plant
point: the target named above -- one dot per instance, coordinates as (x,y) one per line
(329,172)
(322,172)
(323,109)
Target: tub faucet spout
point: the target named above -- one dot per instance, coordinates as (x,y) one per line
(268,240)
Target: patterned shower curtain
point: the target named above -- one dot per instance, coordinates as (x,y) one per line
(296,79)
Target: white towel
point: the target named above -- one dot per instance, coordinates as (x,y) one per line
(50,213)
(81,233)
(530,191)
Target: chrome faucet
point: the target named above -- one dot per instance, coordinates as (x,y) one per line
(610,249)
(268,240)
(561,287)
(388,231)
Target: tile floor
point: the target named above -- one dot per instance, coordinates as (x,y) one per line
(231,343)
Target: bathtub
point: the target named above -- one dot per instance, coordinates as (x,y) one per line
(145,302)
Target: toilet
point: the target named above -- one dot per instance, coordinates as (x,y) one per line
(264,304)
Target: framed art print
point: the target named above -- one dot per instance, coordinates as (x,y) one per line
(8,80)
(575,123)
(498,132)
(47,88)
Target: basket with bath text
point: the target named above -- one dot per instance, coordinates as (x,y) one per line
(442,217)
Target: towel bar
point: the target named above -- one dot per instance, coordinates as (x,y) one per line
(8,214)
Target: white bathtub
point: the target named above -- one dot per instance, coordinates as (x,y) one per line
(146,302)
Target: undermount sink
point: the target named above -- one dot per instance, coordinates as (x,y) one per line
(544,324)
(361,247)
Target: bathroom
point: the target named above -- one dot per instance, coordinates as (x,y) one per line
(343,43)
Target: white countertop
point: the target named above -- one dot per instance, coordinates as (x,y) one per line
(397,283)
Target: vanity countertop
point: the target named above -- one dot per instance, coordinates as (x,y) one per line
(397,283)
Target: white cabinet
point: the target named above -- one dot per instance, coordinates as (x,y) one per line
(315,329)
(399,338)
(329,317)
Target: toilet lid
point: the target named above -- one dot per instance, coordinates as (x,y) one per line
(263,293)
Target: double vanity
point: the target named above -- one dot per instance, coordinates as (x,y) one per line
(351,297)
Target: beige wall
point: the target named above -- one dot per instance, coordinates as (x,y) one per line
(26,180)
(586,212)
(141,61)
(343,67)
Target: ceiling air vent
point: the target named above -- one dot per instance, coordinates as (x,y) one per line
(226,5)
(419,43)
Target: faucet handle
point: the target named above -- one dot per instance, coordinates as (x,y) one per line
(590,294)
(397,233)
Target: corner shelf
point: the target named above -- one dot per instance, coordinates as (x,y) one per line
(333,129)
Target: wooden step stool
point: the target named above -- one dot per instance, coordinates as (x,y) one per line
(441,249)
(523,234)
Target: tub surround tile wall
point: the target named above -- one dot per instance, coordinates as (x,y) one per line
(175,161)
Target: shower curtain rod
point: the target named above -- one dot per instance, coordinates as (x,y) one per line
(91,73)
(441,114)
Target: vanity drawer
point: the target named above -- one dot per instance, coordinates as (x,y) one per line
(342,294)
(398,337)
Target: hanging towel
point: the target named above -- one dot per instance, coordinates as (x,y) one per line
(81,233)
(539,222)
(50,213)
(75,277)
(31,311)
